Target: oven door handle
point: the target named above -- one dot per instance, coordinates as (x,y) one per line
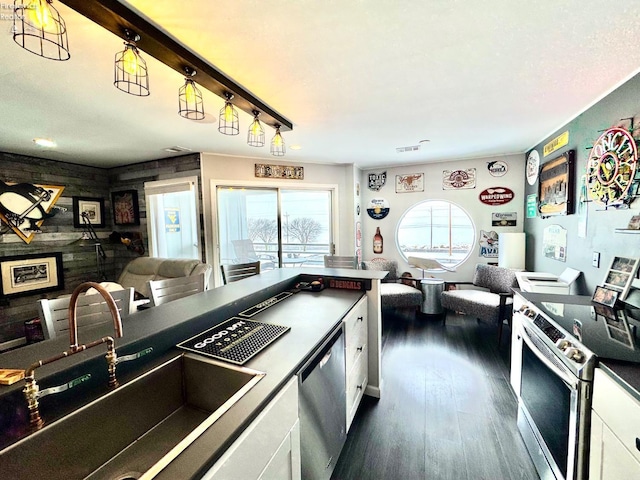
(567,378)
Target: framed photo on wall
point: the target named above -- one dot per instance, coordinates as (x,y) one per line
(93,207)
(556,186)
(125,207)
(29,274)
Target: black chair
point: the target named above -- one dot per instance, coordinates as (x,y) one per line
(239,271)
(491,301)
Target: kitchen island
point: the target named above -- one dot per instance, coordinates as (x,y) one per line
(311,317)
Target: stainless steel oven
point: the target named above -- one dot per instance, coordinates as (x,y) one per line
(554,395)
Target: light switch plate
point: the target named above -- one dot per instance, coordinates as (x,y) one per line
(595,261)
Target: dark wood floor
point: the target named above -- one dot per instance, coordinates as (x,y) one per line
(447,410)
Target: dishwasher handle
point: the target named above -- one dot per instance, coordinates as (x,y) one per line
(322,357)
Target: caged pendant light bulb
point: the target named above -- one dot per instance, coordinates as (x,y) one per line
(190,103)
(277,144)
(130,71)
(229,123)
(39,29)
(255,137)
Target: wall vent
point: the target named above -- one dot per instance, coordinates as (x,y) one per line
(412,148)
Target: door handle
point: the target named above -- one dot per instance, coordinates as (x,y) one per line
(325,359)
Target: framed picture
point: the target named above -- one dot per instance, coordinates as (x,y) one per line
(94,207)
(125,207)
(29,274)
(621,274)
(605,296)
(556,186)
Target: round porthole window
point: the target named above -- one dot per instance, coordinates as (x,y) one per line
(436,229)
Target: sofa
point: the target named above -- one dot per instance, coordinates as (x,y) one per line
(139,271)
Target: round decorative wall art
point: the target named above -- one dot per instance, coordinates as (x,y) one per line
(533,166)
(611,167)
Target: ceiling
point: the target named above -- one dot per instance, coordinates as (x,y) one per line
(358,78)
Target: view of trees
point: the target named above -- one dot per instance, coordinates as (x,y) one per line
(303,229)
(262,229)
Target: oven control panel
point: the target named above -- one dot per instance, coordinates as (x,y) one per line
(570,348)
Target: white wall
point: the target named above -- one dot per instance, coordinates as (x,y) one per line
(220,169)
(468,199)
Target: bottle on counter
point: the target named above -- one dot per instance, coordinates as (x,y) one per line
(377,241)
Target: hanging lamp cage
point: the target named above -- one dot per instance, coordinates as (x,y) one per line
(39,28)
(277,144)
(190,104)
(228,123)
(131,75)
(255,136)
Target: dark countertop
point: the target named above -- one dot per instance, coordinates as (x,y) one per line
(626,374)
(311,315)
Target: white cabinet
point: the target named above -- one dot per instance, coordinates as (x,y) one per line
(269,448)
(516,354)
(615,431)
(356,356)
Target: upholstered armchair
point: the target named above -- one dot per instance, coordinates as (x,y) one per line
(395,291)
(492,299)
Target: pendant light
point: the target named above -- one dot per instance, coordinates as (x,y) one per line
(39,29)
(131,74)
(255,136)
(229,123)
(277,144)
(190,103)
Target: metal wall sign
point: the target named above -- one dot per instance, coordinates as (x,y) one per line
(279,171)
(556,144)
(533,165)
(497,168)
(532,205)
(504,219)
(458,179)
(377,181)
(496,196)
(488,244)
(410,183)
(378,208)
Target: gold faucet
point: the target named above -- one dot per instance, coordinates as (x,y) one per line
(31,390)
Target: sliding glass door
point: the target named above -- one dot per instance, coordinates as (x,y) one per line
(278,227)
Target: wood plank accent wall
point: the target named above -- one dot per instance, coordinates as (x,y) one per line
(58,233)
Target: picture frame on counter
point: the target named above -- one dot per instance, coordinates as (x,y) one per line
(620,275)
(605,296)
(22,275)
(93,207)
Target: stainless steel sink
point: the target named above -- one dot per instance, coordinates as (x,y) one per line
(140,427)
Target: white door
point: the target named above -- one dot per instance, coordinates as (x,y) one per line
(172,218)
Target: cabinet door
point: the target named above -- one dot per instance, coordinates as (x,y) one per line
(615,463)
(252,453)
(283,463)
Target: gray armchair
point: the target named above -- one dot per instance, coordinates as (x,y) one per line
(395,292)
(491,302)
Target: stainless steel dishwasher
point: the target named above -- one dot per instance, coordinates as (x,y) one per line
(322,409)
